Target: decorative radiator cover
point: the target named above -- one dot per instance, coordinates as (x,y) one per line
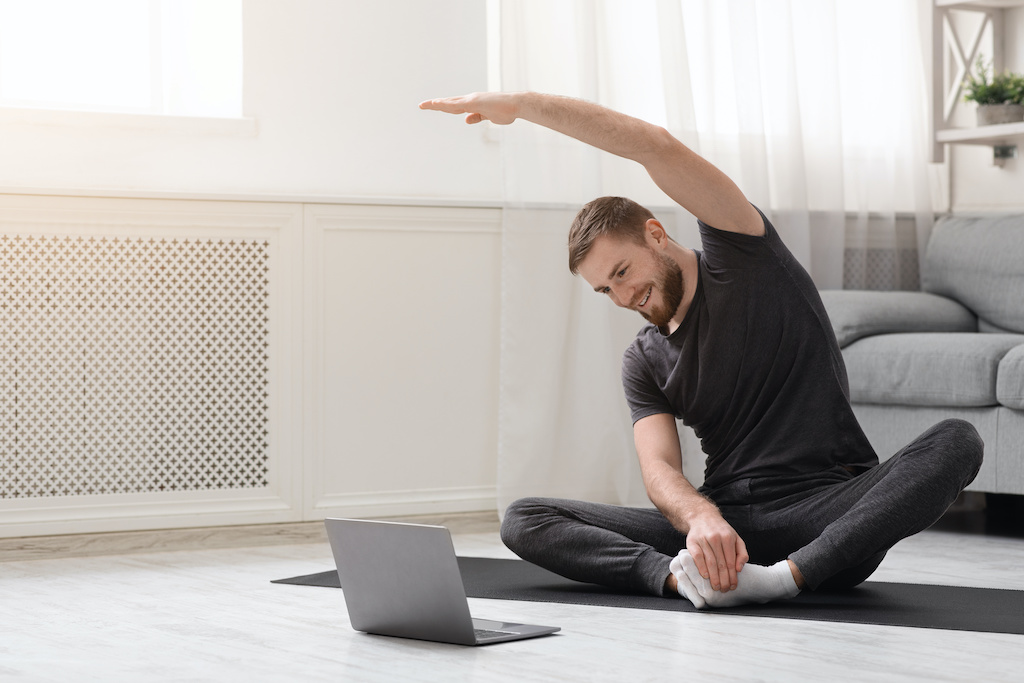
(146,350)
(132,364)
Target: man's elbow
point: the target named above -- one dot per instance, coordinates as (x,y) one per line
(660,144)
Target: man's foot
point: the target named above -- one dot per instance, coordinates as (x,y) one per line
(754,584)
(683,584)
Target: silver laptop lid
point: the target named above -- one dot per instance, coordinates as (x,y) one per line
(401,580)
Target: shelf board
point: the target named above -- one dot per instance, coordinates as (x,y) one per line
(979,4)
(983,135)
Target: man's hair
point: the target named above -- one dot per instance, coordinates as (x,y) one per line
(616,216)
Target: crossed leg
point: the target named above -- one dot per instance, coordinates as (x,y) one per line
(835,533)
(623,548)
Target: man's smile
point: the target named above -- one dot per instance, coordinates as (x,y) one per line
(646,297)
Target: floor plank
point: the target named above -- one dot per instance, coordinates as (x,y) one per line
(212,614)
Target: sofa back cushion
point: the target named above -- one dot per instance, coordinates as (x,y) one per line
(979,261)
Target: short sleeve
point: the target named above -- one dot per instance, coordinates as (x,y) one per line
(726,250)
(643,394)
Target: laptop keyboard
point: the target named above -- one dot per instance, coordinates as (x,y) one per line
(486,633)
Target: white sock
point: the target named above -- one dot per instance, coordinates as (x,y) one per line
(754,584)
(683,583)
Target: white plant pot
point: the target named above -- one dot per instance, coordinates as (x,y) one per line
(991,114)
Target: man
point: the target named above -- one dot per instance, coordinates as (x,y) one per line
(740,348)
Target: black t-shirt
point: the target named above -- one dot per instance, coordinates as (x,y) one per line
(754,368)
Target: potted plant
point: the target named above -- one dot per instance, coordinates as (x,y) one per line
(1000,97)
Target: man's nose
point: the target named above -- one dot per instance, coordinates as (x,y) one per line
(621,295)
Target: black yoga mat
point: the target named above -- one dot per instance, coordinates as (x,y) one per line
(987,610)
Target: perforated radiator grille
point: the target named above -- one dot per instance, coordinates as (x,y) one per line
(132,365)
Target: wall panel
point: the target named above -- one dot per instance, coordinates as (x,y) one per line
(403,356)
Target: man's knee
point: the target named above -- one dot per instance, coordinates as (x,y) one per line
(852,576)
(966,444)
(518,520)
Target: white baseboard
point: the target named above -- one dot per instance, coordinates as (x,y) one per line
(134,512)
(404,503)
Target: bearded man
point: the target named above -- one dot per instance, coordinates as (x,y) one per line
(739,347)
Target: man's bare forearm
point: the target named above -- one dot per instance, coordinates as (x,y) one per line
(661,464)
(676,498)
(691,181)
(598,126)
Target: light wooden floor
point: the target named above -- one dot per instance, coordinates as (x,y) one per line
(191,615)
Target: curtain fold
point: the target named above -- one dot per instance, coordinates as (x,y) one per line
(791,98)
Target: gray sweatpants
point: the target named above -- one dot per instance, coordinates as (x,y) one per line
(834,525)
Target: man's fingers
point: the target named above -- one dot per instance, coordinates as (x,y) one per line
(697,553)
(718,563)
(713,566)
(724,579)
(718,553)
(450,105)
(710,565)
(498,108)
(729,567)
(741,556)
(453,105)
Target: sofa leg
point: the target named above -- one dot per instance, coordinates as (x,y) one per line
(1004,514)
(973,512)
(968,501)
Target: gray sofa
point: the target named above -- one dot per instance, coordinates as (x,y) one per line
(955,349)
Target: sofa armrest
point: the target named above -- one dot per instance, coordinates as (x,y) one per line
(860,313)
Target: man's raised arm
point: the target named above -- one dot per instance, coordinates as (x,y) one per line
(691,181)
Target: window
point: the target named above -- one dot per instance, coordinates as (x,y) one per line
(169,57)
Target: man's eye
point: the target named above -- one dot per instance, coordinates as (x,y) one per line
(622,272)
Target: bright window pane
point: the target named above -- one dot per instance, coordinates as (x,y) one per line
(202,57)
(68,52)
(178,57)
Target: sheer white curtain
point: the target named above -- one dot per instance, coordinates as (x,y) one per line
(814,107)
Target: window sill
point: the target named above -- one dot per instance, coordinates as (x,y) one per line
(182,125)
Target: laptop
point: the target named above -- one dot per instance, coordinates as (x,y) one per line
(403,580)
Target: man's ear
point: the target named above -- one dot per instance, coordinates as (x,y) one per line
(654,233)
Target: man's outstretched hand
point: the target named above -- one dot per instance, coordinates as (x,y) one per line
(496,107)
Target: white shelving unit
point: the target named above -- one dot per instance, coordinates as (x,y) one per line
(947,88)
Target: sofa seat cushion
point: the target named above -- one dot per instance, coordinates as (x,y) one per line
(928,369)
(1010,382)
(855,314)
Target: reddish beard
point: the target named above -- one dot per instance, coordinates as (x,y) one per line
(669,280)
